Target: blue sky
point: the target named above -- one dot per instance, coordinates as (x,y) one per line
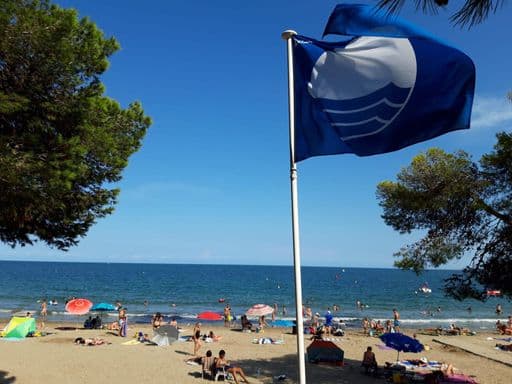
(211,184)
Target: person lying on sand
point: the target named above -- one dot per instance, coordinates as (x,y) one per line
(212,337)
(504,347)
(93,341)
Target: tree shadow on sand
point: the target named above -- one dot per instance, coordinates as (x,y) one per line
(268,371)
(4,379)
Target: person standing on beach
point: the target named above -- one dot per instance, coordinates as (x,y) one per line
(396,320)
(123,322)
(274,313)
(196,338)
(365,324)
(123,325)
(309,313)
(227,315)
(44,312)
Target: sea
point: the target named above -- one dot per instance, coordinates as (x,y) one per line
(184,290)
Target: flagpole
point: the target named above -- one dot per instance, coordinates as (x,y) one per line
(287,35)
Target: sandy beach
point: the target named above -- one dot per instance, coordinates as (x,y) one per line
(56,359)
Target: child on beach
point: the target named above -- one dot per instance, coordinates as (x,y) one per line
(365,324)
(396,320)
(44,312)
(123,326)
(262,323)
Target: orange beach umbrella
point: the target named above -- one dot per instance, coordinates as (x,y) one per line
(78,306)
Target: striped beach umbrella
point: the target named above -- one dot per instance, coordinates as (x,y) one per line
(259,310)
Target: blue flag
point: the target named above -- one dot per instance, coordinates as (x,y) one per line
(388,86)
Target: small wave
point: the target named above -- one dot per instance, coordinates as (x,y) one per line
(115,314)
(451,320)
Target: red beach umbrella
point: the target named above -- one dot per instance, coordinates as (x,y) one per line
(208,315)
(259,310)
(78,306)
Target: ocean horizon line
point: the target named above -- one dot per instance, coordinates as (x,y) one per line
(219,264)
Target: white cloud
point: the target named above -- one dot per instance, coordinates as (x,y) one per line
(491,112)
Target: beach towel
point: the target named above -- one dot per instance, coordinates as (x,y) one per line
(131,342)
(458,378)
(384,347)
(267,340)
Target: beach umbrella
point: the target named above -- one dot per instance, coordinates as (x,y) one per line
(259,310)
(78,306)
(401,343)
(103,307)
(208,315)
(165,335)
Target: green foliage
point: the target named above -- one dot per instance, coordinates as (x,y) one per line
(470,13)
(62,142)
(461,208)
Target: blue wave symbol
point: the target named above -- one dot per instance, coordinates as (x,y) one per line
(367,115)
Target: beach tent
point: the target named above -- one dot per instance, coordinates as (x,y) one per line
(165,335)
(321,351)
(19,327)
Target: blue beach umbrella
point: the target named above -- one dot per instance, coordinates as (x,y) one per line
(103,307)
(401,343)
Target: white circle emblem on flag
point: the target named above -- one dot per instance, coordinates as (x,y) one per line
(366,84)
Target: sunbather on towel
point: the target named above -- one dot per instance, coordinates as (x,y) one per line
(93,341)
(267,340)
(213,337)
(447,374)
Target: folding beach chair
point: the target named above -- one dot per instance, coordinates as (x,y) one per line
(221,372)
(208,367)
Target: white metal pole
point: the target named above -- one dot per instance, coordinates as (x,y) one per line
(288,36)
